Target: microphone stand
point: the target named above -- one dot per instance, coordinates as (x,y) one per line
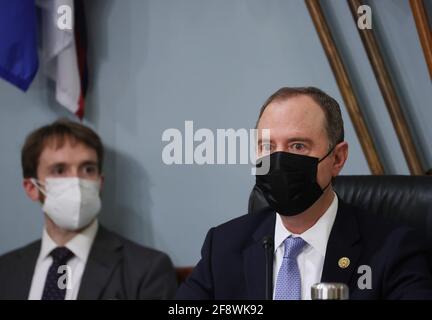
(267,243)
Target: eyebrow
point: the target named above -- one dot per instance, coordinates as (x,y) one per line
(64,164)
(56,164)
(294,139)
(89,162)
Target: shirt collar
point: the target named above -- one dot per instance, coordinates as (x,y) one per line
(80,245)
(316,236)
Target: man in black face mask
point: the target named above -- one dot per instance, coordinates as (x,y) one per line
(309,235)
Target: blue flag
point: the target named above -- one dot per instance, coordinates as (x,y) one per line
(18,44)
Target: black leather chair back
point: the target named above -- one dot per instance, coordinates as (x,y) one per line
(405,199)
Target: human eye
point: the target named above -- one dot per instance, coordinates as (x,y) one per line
(90,170)
(298,147)
(265,148)
(58,170)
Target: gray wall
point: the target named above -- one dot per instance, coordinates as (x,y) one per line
(158,63)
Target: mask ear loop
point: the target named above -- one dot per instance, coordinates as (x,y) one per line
(37,185)
(328,153)
(326,186)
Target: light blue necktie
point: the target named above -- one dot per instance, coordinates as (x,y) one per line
(288,284)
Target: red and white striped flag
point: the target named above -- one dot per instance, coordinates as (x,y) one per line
(64,52)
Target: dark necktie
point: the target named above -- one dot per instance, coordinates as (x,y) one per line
(52,290)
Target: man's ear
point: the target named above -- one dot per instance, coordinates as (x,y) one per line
(31,190)
(340,156)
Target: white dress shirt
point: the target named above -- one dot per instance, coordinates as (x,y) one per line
(80,245)
(311,259)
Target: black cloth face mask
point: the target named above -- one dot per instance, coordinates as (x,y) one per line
(290,187)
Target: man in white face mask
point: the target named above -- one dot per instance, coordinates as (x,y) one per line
(76,257)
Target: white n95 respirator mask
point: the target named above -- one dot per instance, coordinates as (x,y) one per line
(71,203)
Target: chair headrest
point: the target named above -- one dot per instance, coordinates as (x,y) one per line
(406,199)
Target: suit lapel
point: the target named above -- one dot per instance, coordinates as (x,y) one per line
(343,243)
(25,267)
(104,256)
(254,258)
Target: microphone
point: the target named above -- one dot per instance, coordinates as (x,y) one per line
(267,243)
(329,291)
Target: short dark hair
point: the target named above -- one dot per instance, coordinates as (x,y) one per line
(334,122)
(57,132)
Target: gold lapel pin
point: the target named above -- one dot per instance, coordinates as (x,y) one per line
(344,262)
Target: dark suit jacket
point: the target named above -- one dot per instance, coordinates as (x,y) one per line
(233,259)
(116,269)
